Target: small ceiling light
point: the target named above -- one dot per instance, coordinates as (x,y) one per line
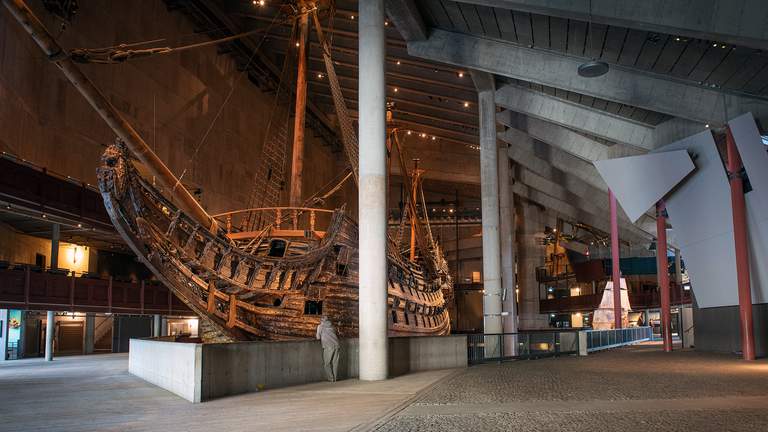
(386,23)
(45,216)
(409,132)
(461,74)
(395,89)
(714,45)
(677,39)
(593,68)
(79,225)
(722,46)
(298,44)
(434,138)
(261,2)
(706,125)
(466,104)
(320,76)
(423,135)
(351,17)
(398,62)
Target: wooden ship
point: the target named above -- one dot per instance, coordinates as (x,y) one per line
(268,272)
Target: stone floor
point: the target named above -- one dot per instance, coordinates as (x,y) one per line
(638,388)
(96,393)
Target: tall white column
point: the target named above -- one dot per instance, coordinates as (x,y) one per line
(372,192)
(489,196)
(51,317)
(507,230)
(49,330)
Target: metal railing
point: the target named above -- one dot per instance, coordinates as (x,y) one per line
(483,348)
(604,339)
(522,345)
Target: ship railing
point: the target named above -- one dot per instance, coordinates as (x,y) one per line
(262,219)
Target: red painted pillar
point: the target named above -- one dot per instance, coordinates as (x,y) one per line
(663,275)
(735,176)
(616,273)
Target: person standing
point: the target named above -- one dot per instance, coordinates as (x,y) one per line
(330,342)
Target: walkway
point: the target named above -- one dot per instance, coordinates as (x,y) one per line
(96,393)
(637,388)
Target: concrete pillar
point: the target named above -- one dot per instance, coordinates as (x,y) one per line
(530,255)
(51,317)
(507,236)
(678,268)
(49,330)
(157,323)
(615,257)
(372,196)
(55,236)
(489,196)
(163,326)
(90,327)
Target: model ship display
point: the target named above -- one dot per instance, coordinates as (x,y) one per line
(267,272)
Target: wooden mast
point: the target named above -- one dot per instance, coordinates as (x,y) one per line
(297,154)
(108,113)
(414,217)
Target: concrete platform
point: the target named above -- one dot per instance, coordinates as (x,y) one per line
(96,393)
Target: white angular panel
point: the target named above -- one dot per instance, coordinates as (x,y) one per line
(640,181)
(755,158)
(700,213)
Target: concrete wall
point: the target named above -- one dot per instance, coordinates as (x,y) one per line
(718,329)
(210,371)
(173,366)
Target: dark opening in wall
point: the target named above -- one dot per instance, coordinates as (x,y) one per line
(312,307)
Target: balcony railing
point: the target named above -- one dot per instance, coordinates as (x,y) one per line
(33,288)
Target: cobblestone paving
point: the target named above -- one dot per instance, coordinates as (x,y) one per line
(639,388)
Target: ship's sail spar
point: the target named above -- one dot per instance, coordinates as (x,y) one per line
(272,282)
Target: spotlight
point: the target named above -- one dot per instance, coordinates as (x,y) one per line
(320,76)
(395,89)
(434,138)
(351,17)
(466,104)
(398,62)
(409,132)
(423,135)
(461,74)
(298,44)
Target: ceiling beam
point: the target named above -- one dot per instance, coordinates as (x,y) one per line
(622,85)
(564,138)
(407,19)
(593,121)
(739,22)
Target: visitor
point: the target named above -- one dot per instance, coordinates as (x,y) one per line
(330,342)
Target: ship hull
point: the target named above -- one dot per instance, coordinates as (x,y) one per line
(254,292)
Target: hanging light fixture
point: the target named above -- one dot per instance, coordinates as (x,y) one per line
(593,68)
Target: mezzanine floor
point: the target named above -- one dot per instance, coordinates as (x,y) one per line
(636,388)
